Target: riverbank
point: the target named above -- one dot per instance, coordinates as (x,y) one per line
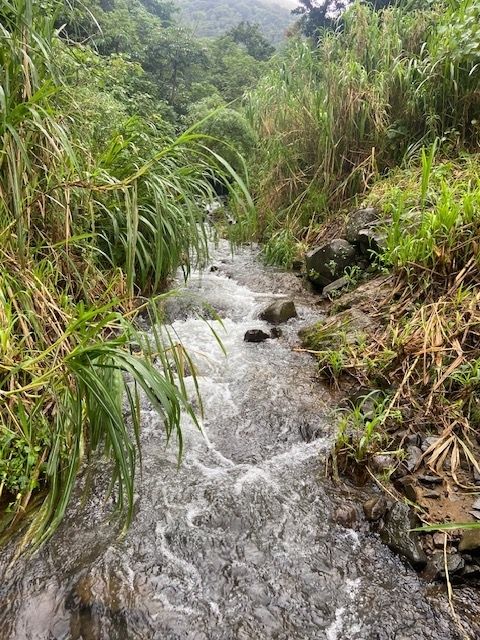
(400,343)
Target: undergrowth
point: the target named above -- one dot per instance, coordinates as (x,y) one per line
(335,115)
(85,234)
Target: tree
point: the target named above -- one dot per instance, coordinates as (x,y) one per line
(318,14)
(231,69)
(250,36)
(175,60)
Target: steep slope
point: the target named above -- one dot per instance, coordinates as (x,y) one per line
(215,17)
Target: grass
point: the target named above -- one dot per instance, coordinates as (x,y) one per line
(85,235)
(333,118)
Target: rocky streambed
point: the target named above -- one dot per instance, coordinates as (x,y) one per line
(248,538)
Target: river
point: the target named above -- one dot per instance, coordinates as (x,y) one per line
(239,542)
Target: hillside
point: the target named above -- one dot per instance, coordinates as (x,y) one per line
(215,17)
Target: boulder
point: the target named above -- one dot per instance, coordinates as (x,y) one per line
(359,220)
(255,335)
(327,263)
(398,535)
(279,311)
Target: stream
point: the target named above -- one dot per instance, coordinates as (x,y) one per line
(239,542)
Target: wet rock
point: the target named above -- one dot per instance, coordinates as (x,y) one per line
(310,432)
(276,333)
(255,335)
(398,535)
(470,540)
(399,472)
(213,268)
(438,539)
(430,479)
(359,220)
(414,457)
(375,508)
(413,439)
(371,242)
(455,563)
(432,494)
(381,463)
(409,488)
(279,311)
(337,285)
(346,516)
(428,442)
(327,263)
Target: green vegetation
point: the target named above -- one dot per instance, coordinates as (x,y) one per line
(97,208)
(425,351)
(384,111)
(117,125)
(333,118)
(214,18)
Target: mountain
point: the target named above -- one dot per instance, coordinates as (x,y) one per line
(215,17)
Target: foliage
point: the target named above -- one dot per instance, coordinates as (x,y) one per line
(427,348)
(214,18)
(151,64)
(326,14)
(337,115)
(227,132)
(362,428)
(86,225)
(250,36)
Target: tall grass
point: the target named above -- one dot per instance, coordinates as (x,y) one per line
(332,118)
(82,235)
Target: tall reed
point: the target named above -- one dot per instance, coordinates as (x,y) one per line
(333,117)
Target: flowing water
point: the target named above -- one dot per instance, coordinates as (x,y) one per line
(239,542)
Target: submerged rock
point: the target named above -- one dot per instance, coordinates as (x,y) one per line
(398,535)
(279,312)
(276,333)
(255,335)
(327,263)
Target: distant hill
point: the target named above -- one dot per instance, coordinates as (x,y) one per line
(215,17)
